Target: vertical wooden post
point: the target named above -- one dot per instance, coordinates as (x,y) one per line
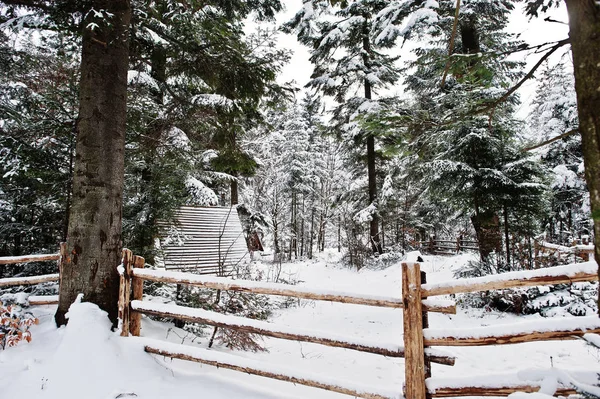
(425,315)
(137,292)
(62,259)
(125,292)
(414,358)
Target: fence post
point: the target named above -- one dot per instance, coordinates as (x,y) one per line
(125,292)
(426,325)
(61,260)
(137,292)
(414,357)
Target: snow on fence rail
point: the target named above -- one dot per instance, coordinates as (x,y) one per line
(587,271)
(258,287)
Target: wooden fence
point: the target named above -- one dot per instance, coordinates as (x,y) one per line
(448,247)
(419,338)
(32,280)
(545,252)
(563,329)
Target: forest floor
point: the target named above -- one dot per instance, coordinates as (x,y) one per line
(85,360)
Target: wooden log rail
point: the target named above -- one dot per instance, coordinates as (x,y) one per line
(538,330)
(282,290)
(7,260)
(224,360)
(454,392)
(12,281)
(269,329)
(552,275)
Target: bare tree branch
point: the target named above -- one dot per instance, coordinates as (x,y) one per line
(451,45)
(528,76)
(560,136)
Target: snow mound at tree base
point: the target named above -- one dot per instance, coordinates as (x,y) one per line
(86,360)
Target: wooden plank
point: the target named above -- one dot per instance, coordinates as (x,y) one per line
(516,338)
(471,285)
(8,260)
(264,373)
(12,281)
(451,392)
(35,300)
(125,292)
(137,292)
(413,332)
(285,290)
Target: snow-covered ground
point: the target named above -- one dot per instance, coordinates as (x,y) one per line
(86,360)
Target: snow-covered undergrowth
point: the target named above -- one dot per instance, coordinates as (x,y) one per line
(87,360)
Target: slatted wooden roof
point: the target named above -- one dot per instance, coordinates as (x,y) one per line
(212,240)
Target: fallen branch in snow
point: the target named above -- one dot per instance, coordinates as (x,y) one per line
(251,326)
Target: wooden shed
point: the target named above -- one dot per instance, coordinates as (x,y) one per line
(208,240)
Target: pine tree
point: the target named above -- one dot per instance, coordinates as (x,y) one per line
(470,161)
(554,112)
(346,40)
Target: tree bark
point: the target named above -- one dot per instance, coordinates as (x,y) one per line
(94,234)
(487,229)
(584,32)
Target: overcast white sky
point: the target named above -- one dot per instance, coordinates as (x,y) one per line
(536,31)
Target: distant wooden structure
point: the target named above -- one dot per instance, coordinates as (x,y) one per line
(208,240)
(435,246)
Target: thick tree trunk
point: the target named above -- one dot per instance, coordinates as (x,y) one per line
(94,236)
(584,31)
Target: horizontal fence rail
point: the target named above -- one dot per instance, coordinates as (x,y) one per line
(232,362)
(256,287)
(13,281)
(579,272)
(283,332)
(7,260)
(530,331)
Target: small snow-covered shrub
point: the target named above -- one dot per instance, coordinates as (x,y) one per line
(14,325)
(577,299)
